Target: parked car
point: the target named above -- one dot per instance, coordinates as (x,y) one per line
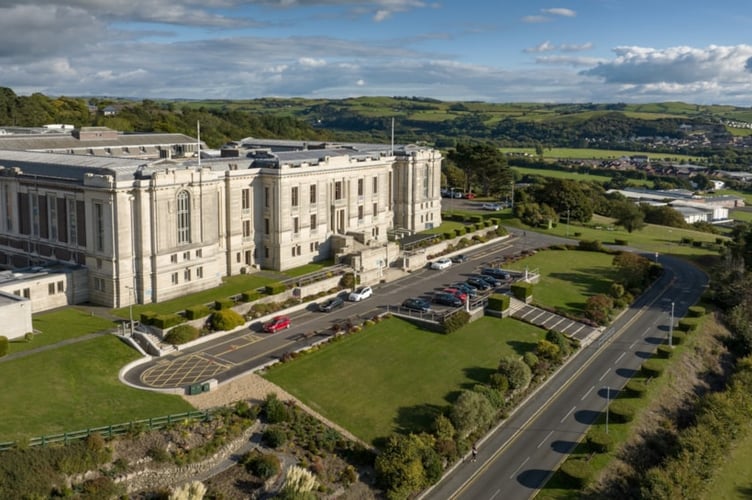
(469,196)
(497,273)
(478,283)
(360,293)
(441,263)
(446,299)
(492,282)
(331,304)
(492,206)
(459,258)
(457,293)
(465,287)
(417,304)
(277,323)
(458,194)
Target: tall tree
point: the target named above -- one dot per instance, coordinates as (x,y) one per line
(485,166)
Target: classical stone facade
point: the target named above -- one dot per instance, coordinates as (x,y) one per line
(151,230)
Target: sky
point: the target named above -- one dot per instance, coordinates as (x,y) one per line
(484,50)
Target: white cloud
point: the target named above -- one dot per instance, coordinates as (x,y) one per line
(311,62)
(535,19)
(568,60)
(550,47)
(575,48)
(541,47)
(560,12)
(360,83)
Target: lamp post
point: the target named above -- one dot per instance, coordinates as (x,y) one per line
(671,327)
(130,305)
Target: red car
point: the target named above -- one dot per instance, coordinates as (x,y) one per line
(457,293)
(276,324)
(469,196)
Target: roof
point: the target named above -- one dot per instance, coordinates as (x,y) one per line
(65,166)
(64,142)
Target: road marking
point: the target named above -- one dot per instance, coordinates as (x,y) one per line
(545,439)
(567,415)
(645,333)
(587,393)
(495,494)
(619,358)
(518,468)
(604,374)
(632,345)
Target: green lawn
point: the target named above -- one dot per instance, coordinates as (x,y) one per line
(597,154)
(734,478)
(73,388)
(561,174)
(393,376)
(62,324)
(568,277)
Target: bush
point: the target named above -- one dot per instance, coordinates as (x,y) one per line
(250,295)
(147,317)
(578,471)
(276,411)
(530,360)
(653,368)
(688,324)
(261,465)
(225,320)
(599,441)
(678,338)
(274,436)
(498,302)
(220,304)
(621,411)
(164,321)
(456,321)
(522,290)
(636,388)
(500,382)
(196,312)
(493,396)
(181,334)
(619,242)
(274,288)
(696,311)
(517,372)
(560,340)
(590,245)
(4,346)
(548,350)
(664,351)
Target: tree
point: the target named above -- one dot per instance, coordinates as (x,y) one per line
(516,371)
(484,165)
(633,269)
(598,308)
(628,215)
(471,412)
(406,465)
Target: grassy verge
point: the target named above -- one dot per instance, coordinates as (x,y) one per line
(73,388)
(59,325)
(393,376)
(560,174)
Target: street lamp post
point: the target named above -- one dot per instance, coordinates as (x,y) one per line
(671,327)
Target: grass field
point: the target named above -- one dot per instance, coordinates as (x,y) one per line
(576,176)
(75,387)
(596,154)
(393,376)
(734,479)
(55,326)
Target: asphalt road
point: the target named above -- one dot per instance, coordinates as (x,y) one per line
(523,452)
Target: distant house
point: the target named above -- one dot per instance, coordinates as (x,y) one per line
(639,159)
(110,111)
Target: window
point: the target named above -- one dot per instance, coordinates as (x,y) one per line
(375,185)
(267,197)
(52,219)
(72,228)
(237,257)
(174,258)
(99,284)
(187,275)
(246,199)
(99,263)
(199,272)
(295,225)
(174,278)
(338,190)
(266,226)
(266,252)
(186,255)
(199,253)
(360,212)
(294,196)
(51,289)
(8,208)
(375,209)
(184,218)
(426,181)
(313,222)
(99,227)
(313,193)
(34,214)
(60,286)
(360,187)
(246,229)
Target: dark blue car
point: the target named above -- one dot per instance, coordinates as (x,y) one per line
(447,299)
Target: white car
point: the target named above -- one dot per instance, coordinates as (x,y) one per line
(442,263)
(360,293)
(492,206)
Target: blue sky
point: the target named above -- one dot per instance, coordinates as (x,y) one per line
(499,51)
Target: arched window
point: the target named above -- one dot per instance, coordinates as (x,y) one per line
(184,218)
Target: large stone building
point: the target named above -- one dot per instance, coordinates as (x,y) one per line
(147,230)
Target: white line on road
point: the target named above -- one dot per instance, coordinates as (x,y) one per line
(645,333)
(545,439)
(518,468)
(619,358)
(587,393)
(633,344)
(604,374)
(567,415)
(496,493)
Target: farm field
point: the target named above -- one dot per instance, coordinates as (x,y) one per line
(559,174)
(595,154)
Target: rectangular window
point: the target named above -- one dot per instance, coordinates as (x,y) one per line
(293,251)
(174,258)
(51,289)
(360,187)
(246,229)
(313,222)
(99,226)
(246,199)
(313,193)
(426,181)
(360,212)
(266,252)
(72,229)
(237,257)
(375,210)
(338,190)
(199,253)
(267,197)
(199,272)
(60,286)
(266,226)
(34,214)
(52,219)
(99,284)
(294,196)
(8,208)
(295,225)
(174,278)
(187,275)
(186,255)
(375,185)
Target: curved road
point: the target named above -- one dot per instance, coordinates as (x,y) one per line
(517,459)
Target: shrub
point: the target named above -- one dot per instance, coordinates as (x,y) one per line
(636,388)
(696,311)
(530,360)
(619,242)
(522,290)
(4,346)
(181,334)
(261,465)
(500,382)
(664,351)
(220,304)
(196,312)
(275,410)
(447,235)
(590,245)
(517,372)
(274,288)
(165,321)
(458,231)
(225,320)
(147,317)
(653,368)
(492,395)
(578,471)
(498,302)
(678,338)
(688,324)
(599,441)
(250,295)
(598,308)
(548,350)
(617,290)
(274,436)
(621,411)
(560,340)
(455,321)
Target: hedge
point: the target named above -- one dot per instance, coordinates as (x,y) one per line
(590,245)
(147,317)
(636,388)
(220,304)
(164,321)
(181,334)
(274,288)
(599,441)
(196,312)
(226,319)
(696,311)
(578,471)
(498,302)
(522,290)
(621,411)
(665,351)
(688,324)
(653,368)
(678,338)
(622,243)
(455,321)
(250,295)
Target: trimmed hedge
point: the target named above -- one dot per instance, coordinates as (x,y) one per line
(678,338)
(619,242)
(590,245)
(621,411)
(636,388)
(274,288)
(578,471)
(696,311)
(599,441)
(455,321)
(522,290)
(664,351)
(147,317)
(498,302)
(226,319)
(164,321)
(182,334)
(196,312)
(4,346)
(653,368)
(220,304)
(688,324)
(250,295)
